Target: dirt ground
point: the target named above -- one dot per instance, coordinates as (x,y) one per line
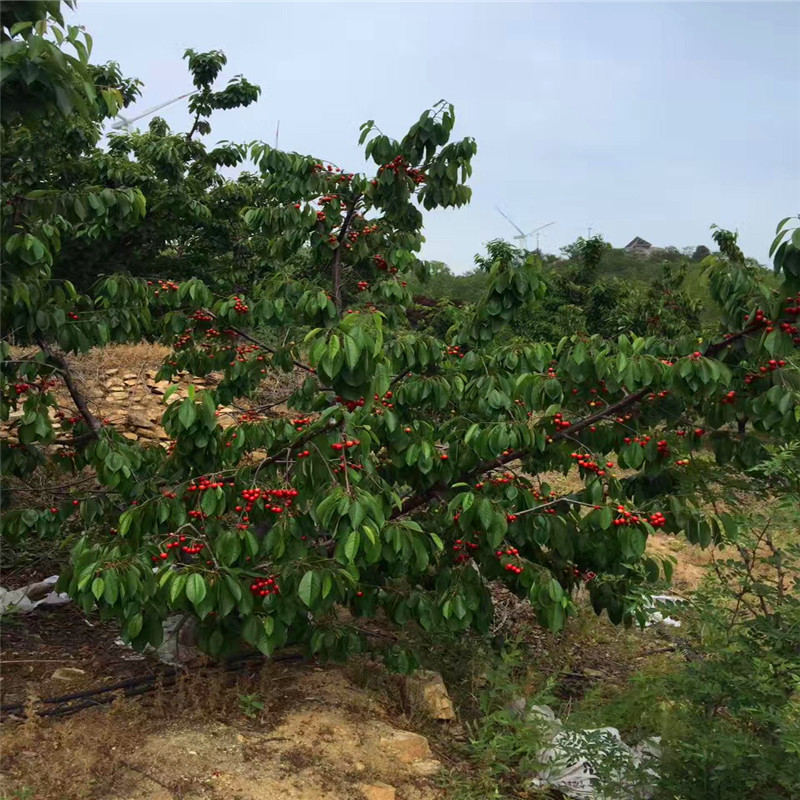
(317,737)
(35,645)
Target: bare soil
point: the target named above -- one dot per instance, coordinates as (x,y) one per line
(318,737)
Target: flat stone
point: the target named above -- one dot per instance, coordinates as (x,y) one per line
(140,419)
(159,387)
(377,791)
(68,674)
(147,433)
(130,376)
(112,371)
(406,746)
(173,398)
(130,436)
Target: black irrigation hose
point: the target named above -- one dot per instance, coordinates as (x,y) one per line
(63,712)
(129,683)
(135,686)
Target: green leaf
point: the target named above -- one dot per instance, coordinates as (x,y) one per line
(134,626)
(352,351)
(351,545)
(98,585)
(309,588)
(187,413)
(208,504)
(252,630)
(485,512)
(196,588)
(234,586)
(111,588)
(177,587)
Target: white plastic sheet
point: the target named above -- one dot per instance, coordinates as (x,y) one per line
(591,764)
(31,596)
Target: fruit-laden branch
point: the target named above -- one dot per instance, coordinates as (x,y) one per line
(258,343)
(307,437)
(415,501)
(77,398)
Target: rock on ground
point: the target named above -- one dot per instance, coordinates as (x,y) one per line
(425,692)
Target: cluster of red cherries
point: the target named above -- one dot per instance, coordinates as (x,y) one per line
(251,496)
(263,587)
(380,263)
(351,405)
(559,422)
(164,286)
(399,165)
(657,520)
(178,543)
(765,369)
(510,567)
(585,462)
(464,549)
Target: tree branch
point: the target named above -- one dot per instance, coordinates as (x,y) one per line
(194,127)
(260,344)
(337,259)
(79,400)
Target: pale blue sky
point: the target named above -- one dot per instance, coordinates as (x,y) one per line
(637,119)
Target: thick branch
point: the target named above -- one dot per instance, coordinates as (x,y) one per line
(194,127)
(337,259)
(77,397)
